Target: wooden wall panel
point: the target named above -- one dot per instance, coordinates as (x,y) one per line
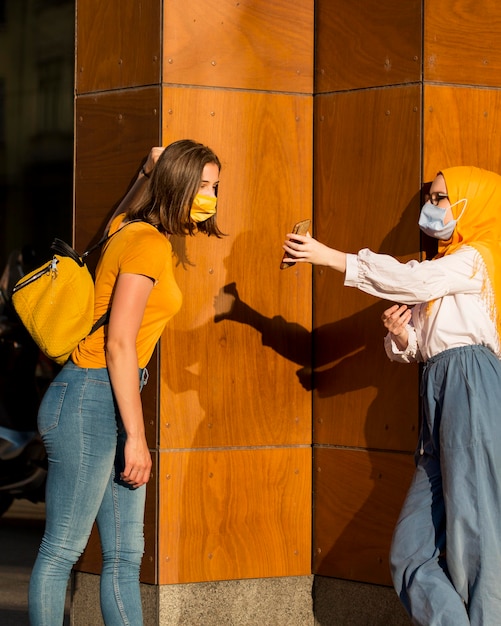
(118,44)
(358,496)
(232,514)
(114,131)
(461,126)
(468,49)
(366,43)
(244,366)
(220,385)
(366,195)
(248,45)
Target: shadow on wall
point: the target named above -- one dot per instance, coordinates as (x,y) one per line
(342,352)
(343,362)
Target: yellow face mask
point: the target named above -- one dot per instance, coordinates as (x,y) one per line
(203,207)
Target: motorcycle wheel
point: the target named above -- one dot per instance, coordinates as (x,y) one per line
(5,501)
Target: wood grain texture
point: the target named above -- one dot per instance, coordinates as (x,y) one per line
(118,44)
(233,490)
(366,43)
(234,382)
(114,132)
(367,191)
(468,50)
(461,126)
(246,45)
(358,496)
(232,514)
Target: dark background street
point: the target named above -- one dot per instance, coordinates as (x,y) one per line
(21,529)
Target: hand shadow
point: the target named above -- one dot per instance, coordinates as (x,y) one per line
(347,341)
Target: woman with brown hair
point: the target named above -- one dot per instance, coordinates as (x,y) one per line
(91,418)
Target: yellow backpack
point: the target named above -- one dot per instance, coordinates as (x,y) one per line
(55,302)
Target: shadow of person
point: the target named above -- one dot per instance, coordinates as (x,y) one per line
(362,403)
(362,397)
(333,342)
(223,393)
(342,362)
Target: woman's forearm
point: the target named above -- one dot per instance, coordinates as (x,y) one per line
(306,249)
(124,375)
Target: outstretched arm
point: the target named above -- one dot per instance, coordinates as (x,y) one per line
(306,249)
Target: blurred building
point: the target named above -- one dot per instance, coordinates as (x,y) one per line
(36,123)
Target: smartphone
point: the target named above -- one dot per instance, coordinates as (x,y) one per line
(300,228)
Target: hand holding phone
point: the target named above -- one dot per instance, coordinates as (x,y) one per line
(300,228)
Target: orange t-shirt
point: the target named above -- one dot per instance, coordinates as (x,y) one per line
(137,249)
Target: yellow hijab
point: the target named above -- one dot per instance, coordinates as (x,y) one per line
(479,226)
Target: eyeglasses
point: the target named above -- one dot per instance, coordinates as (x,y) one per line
(436,196)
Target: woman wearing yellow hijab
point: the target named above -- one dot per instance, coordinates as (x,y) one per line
(446,549)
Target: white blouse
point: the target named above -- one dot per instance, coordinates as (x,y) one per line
(459,315)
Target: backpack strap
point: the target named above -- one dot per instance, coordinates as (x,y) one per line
(104,319)
(105,239)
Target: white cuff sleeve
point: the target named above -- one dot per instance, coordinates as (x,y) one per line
(409,355)
(351,273)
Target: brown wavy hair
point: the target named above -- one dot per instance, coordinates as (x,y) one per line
(172,187)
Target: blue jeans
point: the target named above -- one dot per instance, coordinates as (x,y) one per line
(79,423)
(446,549)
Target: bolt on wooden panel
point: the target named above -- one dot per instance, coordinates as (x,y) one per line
(367,194)
(358,496)
(462,42)
(231,358)
(118,44)
(233,514)
(247,45)
(366,43)
(461,126)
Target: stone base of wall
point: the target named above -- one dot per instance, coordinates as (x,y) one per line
(290,601)
(346,603)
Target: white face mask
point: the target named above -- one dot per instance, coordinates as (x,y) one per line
(431,220)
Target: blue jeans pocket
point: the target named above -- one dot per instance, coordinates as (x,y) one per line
(50,408)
